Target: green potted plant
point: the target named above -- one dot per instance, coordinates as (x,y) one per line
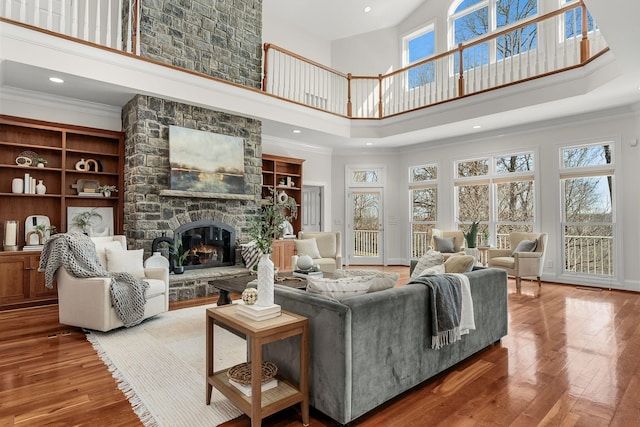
(485,238)
(84,220)
(107,190)
(40,162)
(471,234)
(267,225)
(179,254)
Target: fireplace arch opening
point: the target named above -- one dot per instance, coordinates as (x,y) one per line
(210,244)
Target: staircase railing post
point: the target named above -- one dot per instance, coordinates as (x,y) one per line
(349,112)
(265,66)
(461,71)
(380,95)
(584,43)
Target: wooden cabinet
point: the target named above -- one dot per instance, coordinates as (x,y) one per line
(63,146)
(284,174)
(283,250)
(21,283)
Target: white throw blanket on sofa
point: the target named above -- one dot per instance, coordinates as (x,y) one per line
(77,254)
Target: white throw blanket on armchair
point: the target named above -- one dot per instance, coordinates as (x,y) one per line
(77,254)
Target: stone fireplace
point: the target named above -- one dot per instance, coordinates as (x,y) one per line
(223,40)
(152,209)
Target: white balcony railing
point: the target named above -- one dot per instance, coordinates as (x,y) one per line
(366,243)
(106,23)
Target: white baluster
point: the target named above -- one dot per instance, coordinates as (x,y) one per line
(50,16)
(96,37)
(7,9)
(108,42)
(36,13)
(23,10)
(74,18)
(85,29)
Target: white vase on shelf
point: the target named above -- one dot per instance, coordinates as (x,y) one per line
(41,188)
(17,185)
(265,281)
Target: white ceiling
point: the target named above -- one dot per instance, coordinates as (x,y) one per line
(336,19)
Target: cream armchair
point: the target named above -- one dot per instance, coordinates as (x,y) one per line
(520,264)
(458,241)
(328,255)
(86,303)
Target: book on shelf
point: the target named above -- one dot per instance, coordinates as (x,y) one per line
(307,273)
(32,247)
(85,193)
(257,312)
(246,388)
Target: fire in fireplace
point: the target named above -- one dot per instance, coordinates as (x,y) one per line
(210,244)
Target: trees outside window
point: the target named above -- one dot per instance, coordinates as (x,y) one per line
(418,46)
(423,196)
(587,176)
(498,193)
(472,19)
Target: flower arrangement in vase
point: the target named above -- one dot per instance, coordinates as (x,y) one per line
(106,190)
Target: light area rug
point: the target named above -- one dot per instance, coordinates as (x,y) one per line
(160,365)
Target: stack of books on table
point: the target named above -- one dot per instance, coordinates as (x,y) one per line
(246,388)
(258,312)
(307,273)
(32,247)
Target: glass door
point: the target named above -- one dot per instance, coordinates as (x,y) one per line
(365,240)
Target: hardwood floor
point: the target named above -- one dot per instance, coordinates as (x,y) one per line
(572,358)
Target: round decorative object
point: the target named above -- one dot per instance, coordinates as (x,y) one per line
(23,161)
(283,197)
(80,165)
(242,373)
(305,262)
(250,296)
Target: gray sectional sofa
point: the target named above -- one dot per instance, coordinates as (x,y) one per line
(370,348)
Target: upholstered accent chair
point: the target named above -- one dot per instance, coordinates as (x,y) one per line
(458,242)
(519,261)
(86,302)
(326,253)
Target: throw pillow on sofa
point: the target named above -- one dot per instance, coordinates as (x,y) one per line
(307,247)
(459,264)
(436,269)
(381,280)
(339,288)
(101,250)
(430,259)
(123,261)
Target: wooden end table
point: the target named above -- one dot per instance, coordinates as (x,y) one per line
(260,404)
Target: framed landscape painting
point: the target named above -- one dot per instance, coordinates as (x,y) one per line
(206,161)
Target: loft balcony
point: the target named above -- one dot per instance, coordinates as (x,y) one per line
(95,42)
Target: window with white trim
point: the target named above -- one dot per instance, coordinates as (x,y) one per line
(498,193)
(587,177)
(423,196)
(418,46)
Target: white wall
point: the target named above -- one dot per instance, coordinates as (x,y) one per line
(367,54)
(297,40)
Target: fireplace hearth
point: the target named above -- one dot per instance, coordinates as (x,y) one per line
(209,243)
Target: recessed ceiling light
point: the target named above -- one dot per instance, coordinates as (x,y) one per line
(367,9)
(56,80)
(477,127)
(369,143)
(297,131)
